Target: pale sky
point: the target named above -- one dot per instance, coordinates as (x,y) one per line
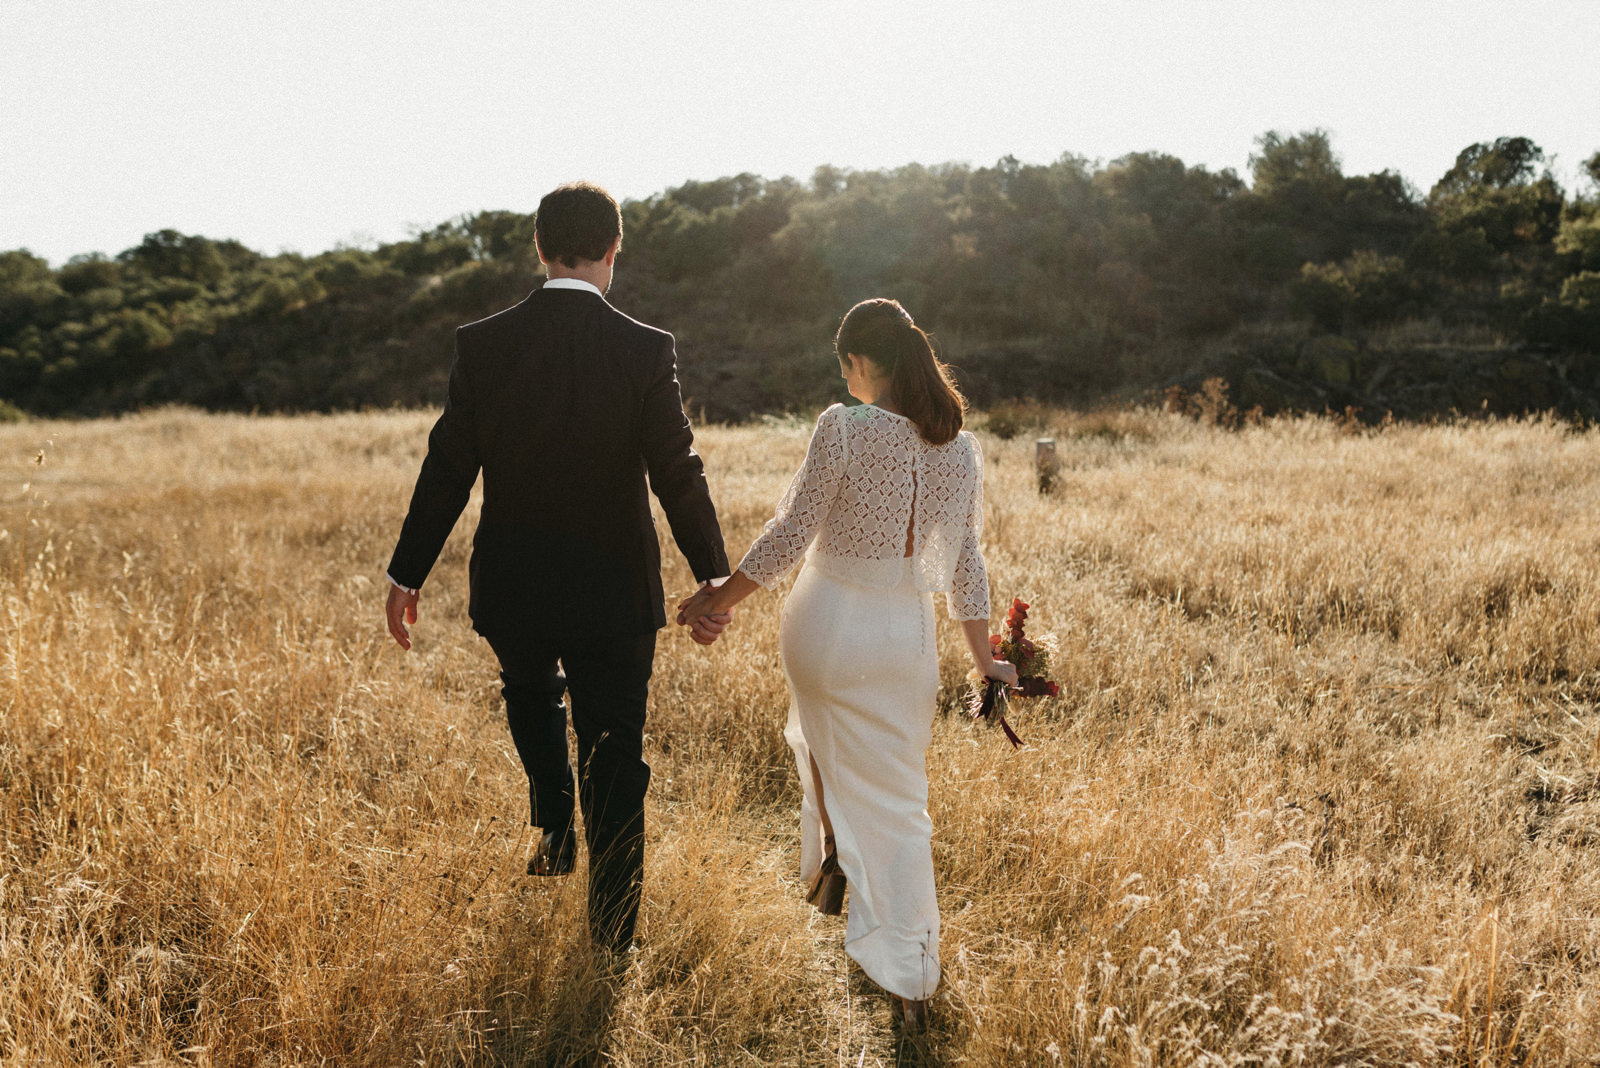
(299,125)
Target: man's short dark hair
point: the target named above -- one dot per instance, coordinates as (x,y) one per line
(576,222)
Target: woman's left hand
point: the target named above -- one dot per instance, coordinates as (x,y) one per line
(1004,672)
(695,605)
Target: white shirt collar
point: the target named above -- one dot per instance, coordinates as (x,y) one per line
(571,283)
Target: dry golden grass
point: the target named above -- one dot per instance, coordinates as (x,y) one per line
(1320,787)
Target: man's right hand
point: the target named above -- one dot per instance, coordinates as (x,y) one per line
(401,609)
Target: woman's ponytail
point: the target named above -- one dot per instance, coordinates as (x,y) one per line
(883,332)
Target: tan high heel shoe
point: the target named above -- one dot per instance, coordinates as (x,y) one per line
(913,1015)
(827,889)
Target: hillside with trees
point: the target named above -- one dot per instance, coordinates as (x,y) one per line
(1074,282)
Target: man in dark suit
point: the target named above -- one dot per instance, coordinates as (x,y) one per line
(567,406)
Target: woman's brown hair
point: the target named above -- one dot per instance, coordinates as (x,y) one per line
(883,332)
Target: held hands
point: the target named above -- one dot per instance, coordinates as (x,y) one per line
(695,612)
(705,626)
(401,609)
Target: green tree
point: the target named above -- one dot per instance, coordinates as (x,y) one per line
(90,271)
(1509,218)
(1301,164)
(1578,240)
(1363,290)
(354,273)
(1494,215)
(828,180)
(19,267)
(29,295)
(1381,211)
(169,254)
(1499,164)
(1570,318)
(499,235)
(1292,214)
(435,251)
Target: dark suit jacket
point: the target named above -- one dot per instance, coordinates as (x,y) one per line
(566,405)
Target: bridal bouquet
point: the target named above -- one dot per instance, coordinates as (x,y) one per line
(989,697)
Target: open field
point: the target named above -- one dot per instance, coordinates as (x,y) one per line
(1322,785)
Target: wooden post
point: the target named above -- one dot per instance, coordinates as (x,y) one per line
(1045,464)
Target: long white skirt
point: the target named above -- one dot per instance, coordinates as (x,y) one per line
(863,673)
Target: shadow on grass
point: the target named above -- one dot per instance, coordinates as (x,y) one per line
(546,995)
(919,1051)
(574,1022)
(895,1045)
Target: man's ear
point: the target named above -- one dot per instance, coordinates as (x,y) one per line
(611,253)
(539,250)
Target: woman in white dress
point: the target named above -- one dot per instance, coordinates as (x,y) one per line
(886,510)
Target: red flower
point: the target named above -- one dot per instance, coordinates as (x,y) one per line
(1017,618)
(988,697)
(1029,686)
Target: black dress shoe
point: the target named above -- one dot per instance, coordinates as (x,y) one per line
(557,854)
(618,957)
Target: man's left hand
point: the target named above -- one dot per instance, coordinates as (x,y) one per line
(401,609)
(707,629)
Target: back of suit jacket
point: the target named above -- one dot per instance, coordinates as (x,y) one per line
(567,406)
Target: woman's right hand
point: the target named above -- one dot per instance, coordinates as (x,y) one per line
(976,632)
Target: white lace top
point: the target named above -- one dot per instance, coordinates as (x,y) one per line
(867,477)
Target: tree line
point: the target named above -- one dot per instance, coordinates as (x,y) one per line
(1066,282)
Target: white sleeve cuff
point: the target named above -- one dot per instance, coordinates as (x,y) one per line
(398,586)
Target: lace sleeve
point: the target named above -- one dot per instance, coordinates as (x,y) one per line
(804,506)
(969,588)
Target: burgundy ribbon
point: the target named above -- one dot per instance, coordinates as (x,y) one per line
(988,707)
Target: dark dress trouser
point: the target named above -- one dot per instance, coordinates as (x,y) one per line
(608,679)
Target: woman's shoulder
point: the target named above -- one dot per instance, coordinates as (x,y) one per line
(963,453)
(832,418)
(965,443)
(857,416)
